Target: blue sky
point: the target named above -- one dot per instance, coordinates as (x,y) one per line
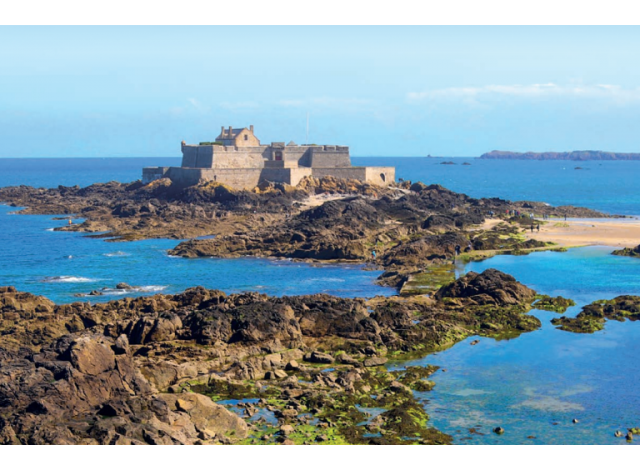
(389,91)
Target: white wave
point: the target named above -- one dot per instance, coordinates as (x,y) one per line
(323,279)
(68,279)
(151,288)
(133,289)
(49,229)
(117,254)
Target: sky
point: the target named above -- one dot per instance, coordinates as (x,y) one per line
(383,91)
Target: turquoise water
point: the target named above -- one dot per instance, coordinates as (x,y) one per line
(61,264)
(533,385)
(536,384)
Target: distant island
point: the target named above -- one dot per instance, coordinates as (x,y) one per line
(575,155)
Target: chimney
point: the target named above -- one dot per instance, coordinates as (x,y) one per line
(251,128)
(222,131)
(230,131)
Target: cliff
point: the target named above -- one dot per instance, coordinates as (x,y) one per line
(580,155)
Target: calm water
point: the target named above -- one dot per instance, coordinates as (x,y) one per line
(533,385)
(607,186)
(60,264)
(536,384)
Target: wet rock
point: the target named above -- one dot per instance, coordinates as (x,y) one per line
(375,361)
(498,430)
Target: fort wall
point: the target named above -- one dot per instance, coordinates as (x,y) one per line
(246,165)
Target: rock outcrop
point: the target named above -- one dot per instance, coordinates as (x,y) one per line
(634,252)
(592,318)
(144,370)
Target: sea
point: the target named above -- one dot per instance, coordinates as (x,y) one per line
(533,386)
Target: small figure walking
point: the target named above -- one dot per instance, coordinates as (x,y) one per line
(457,250)
(373,254)
(532,227)
(538,228)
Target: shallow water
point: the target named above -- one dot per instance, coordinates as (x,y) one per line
(61,264)
(536,384)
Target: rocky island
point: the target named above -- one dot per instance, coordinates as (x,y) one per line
(290,370)
(579,155)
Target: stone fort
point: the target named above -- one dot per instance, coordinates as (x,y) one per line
(237,159)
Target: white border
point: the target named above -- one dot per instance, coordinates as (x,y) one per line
(318,12)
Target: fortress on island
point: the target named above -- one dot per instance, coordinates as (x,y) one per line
(237,159)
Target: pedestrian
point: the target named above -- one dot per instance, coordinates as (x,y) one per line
(457,250)
(532,227)
(538,228)
(373,254)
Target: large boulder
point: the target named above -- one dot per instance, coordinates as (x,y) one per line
(491,287)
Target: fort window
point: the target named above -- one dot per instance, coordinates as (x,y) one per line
(278,155)
(246,137)
(383,177)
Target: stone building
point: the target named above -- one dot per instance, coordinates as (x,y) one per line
(237,159)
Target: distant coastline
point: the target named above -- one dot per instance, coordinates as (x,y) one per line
(579,155)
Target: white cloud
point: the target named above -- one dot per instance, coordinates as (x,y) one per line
(536,90)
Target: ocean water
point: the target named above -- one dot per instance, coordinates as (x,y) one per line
(533,385)
(609,186)
(60,264)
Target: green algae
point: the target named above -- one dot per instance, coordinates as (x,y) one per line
(592,318)
(553,304)
(429,280)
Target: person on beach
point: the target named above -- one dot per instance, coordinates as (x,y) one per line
(538,228)
(532,227)
(457,250)
(373,254)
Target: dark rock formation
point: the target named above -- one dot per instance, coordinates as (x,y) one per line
(634,252)
(593,316)
(111,373)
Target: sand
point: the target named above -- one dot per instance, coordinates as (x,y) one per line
(583,232)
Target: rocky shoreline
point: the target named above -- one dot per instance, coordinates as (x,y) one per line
(149,370)
(407,230)
(290,370)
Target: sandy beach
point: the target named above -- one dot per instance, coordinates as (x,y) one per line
(582,232)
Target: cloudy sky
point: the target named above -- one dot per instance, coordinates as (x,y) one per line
(395,91)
